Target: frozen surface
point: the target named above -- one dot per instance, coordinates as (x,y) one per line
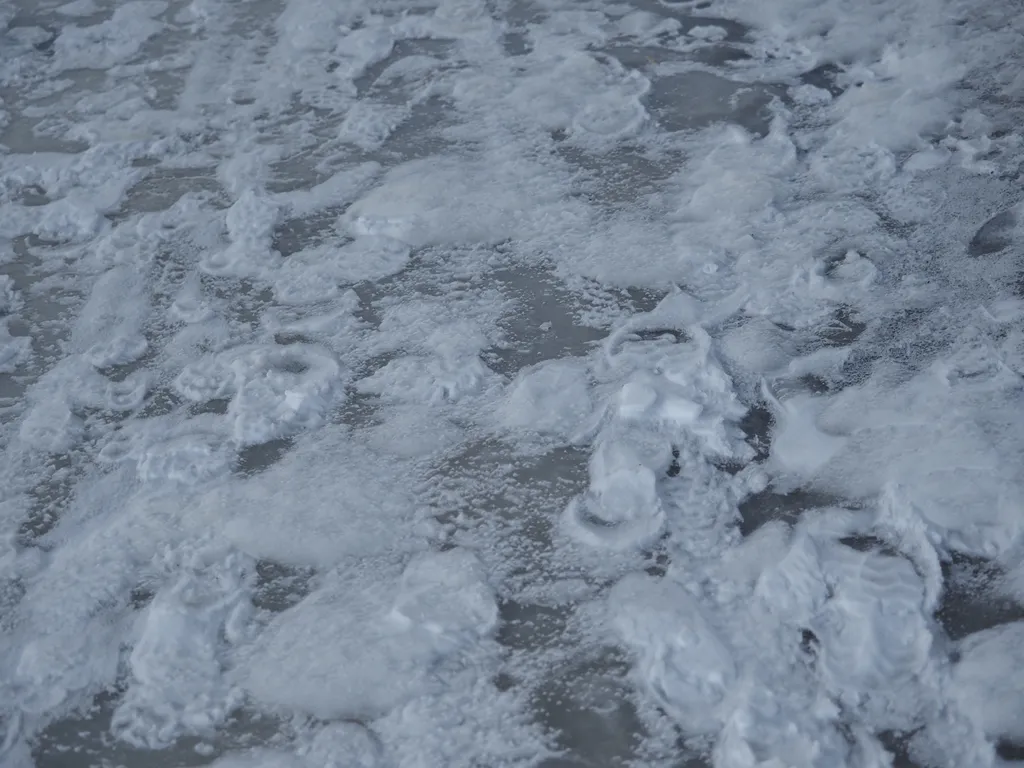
(511,383)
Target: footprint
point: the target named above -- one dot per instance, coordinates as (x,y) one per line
(275,391)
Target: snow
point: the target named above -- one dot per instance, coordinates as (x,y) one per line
(462,383)
(345,655)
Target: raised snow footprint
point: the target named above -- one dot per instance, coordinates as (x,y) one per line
(622,509)
(275,391)
(358,649)
(681,659)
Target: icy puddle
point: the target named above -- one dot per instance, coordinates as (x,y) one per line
(511,383)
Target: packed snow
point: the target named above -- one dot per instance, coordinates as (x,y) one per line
(518,383)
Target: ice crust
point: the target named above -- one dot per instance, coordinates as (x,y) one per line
(467,383)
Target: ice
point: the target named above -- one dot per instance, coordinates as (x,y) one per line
(522,383)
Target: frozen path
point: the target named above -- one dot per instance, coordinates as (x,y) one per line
(511,383)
